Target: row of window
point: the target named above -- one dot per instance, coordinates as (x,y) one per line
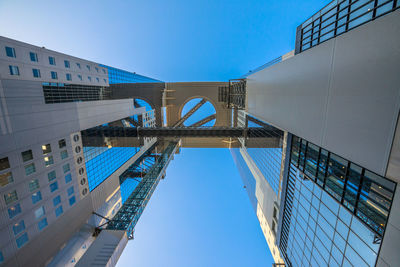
(7,178)
(10,52)
(366,194)
(33,185)
(19,227)
(14,70)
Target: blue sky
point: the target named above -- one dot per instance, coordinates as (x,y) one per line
(200,214)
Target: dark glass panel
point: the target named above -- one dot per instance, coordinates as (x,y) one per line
(295,150)
(323,162)
(302,154)
(311,160)
(336,176)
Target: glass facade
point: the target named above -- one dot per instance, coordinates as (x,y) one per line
(121,76)
(101,162)
(62,92)
(266,153)
(246,175)
(331,210)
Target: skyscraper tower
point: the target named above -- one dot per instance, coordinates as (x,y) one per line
(314,134)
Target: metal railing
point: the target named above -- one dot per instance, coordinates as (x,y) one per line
(338,17)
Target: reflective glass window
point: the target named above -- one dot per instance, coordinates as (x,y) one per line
(66,168)
(39,212)
(14,70)
(36,73)
(14,211)
(11,197)
(52,61)
(56,200)
(51,176)
(53,187)
(22,240)
(18,227)
(58,211)
(62,143)
(68,178)
(48,161)
(10,51)
(42,224)
(54,75)
(72,201)
(4,164)
(36,197)
(6,178)
(33,185)
(33,56)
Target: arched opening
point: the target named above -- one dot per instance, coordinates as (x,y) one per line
(198,112)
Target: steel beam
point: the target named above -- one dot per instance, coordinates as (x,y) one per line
(252,132)
(190,113)
(204,121)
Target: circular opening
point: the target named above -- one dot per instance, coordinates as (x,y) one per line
(76,138)
(84,191)
(83,181)
(81,171)
(202,115)
(77,149)
(79,160)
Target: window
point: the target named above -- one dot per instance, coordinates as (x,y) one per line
(1,257)
(22,240)
(33,185)
(14,211)
(27,155)
(52,61)
(70,190)
(72,201)
(36,197)
(51,175)
(66,168)
(62,143)
(59,211)
(68,76)
(10,51)
(36,73)
(46,149)
(64,154)
(68,178)
(105,80)
(14,70)
(39,213)
(33,57)
(78,65)
(19,227)
(54,75)
(42,224)
(88,67)
(80,77)
(30,168)
(53,187)
(97,79)
(89,78)
(97,69)
(104,71)
(48,161)
(6,178)
(66,64)
(4,164)
(11,197)
(56,200)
